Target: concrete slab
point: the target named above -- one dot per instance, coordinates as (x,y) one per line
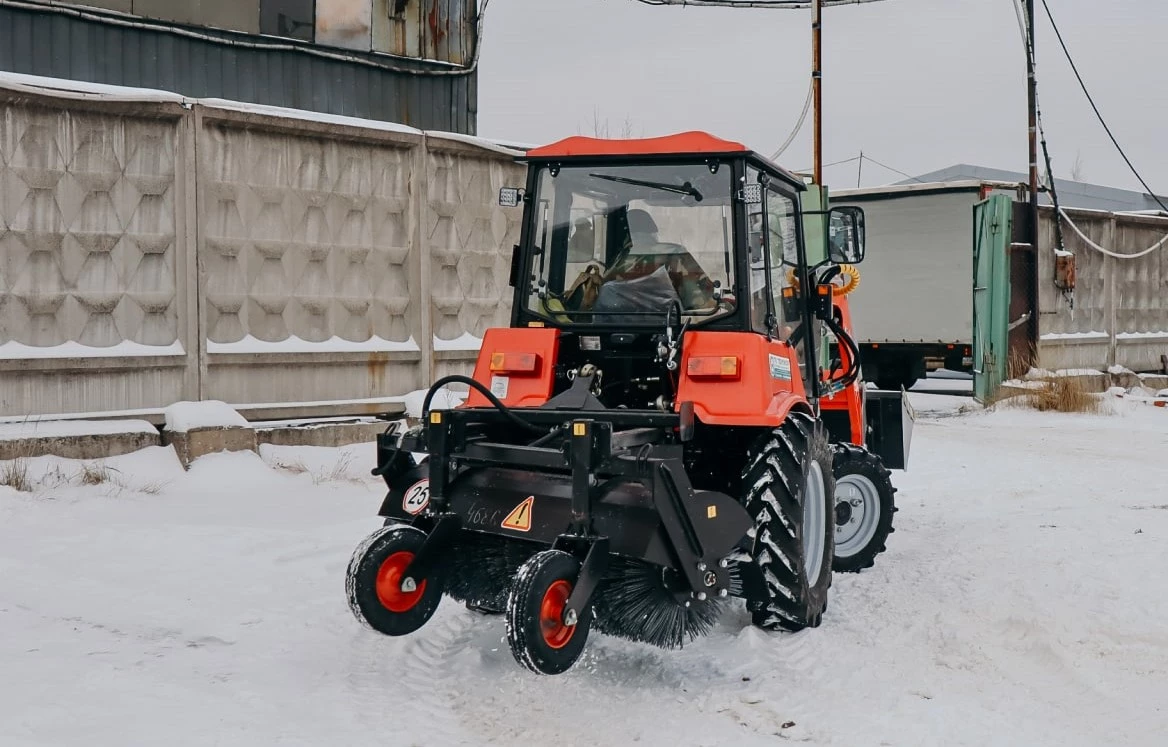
(197,442)
(320,434)
(75,439)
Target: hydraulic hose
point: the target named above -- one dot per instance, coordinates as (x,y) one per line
(495,402)
(841,334)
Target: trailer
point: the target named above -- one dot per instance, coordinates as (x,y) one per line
(914,305)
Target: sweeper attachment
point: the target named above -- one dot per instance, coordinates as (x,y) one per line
(642,444)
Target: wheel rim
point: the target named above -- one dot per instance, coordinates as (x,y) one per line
(551,615)
(857,514)
(814,523)
(389,591)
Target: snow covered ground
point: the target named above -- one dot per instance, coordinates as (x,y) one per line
(1022,601)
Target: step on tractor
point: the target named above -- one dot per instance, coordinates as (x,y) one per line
(649,438)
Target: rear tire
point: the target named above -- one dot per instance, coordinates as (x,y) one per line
(790,493)
(539,639)
(374,578)
(864,507)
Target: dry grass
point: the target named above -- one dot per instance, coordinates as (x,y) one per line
(1062,394)
(14,474)
(336,473)
(94,474)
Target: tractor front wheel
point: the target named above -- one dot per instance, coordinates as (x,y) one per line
(790,493)
(380,594)
(540,638)
(864,507)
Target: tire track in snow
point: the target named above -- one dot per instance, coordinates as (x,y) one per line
(426,675)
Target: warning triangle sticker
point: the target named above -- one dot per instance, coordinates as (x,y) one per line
(520,517)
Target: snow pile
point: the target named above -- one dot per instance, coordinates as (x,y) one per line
(188,416)
(147,471)
(325,465)
(444,399)
(44,428)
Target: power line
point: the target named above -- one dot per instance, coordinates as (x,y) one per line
(1098,114)
(895,171)
(757,4)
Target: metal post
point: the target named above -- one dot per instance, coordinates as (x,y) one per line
(1032,98)
(816,82)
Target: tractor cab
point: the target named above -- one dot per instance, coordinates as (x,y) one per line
(628,244)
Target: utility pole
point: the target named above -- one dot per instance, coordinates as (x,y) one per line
(817,84)
(1033,107)
(1032,95)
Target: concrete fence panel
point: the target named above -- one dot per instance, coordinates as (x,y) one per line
(158,249)
(1118,312)
(469,241)
(310,266)
(95,248)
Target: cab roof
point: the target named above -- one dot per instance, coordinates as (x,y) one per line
(694,142)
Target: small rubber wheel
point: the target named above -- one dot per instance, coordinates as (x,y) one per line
(864,505)
(539,638)
(375,579)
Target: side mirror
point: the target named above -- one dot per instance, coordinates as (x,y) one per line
(510,196)
(845,235)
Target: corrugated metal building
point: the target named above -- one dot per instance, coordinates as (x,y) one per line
(1071,194)
(408,61)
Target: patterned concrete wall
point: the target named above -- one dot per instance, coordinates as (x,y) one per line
(469,241)
(1120,306)
(329,255)
(307,250)
(93,247)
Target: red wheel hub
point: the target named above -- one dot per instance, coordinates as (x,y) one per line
(551,615)
(389,576)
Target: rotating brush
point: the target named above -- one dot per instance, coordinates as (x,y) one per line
(636,601)
(480,569)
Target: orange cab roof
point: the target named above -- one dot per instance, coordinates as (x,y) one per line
(681,143)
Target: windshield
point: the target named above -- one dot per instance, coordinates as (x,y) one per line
(625,244)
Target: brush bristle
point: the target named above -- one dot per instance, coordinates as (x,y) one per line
(633,602)
(480,568)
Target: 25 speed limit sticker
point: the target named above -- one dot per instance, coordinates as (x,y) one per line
(416,497)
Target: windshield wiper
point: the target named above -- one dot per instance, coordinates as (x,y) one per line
(681,189)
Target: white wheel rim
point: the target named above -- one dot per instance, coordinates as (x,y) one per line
(814,523)
(861,518)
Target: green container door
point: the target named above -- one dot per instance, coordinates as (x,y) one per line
(991,293)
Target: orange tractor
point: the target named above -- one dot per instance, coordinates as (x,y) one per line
(647,439)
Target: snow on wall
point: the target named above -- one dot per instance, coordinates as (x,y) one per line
(187,416)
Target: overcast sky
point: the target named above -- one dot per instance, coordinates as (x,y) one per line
(916,84)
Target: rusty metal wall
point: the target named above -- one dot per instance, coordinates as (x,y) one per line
(337,261)
(1120,306)
(372,86)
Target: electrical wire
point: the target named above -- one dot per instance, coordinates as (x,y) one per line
(758,4)
(1098,114)
(895,171)
(798,125)
(1158,245)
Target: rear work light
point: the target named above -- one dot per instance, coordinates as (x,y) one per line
(514,363)
(713,367)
